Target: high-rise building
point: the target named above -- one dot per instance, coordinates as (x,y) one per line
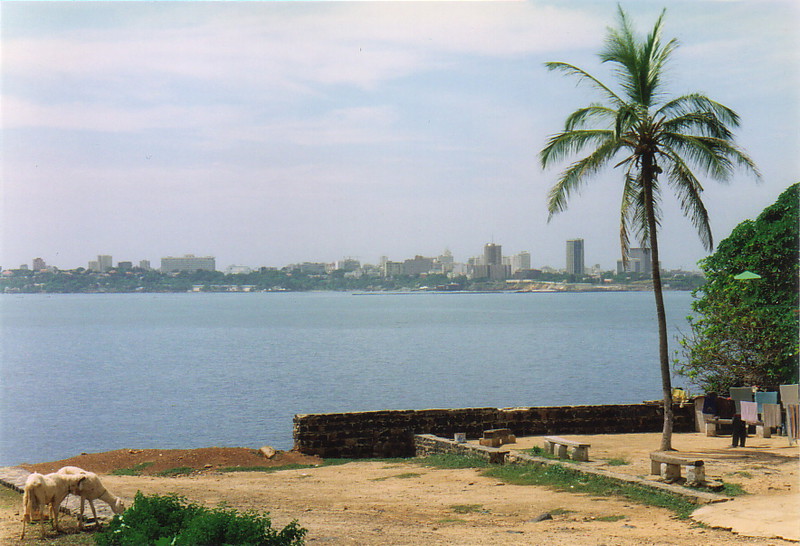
(639,261)
(643,255)
(103,263)
(348,264)
(520,261)
(575,257)
(144,264)
(420,265)
(492,254)
(38,264)
(188,262)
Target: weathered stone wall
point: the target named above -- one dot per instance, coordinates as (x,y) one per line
(428,444)
(390,433)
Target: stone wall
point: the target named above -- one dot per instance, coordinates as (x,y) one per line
(390,433)
(429,444)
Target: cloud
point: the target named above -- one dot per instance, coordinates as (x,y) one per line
(275,48)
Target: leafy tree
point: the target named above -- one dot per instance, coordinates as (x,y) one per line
(654,136)
(746,331)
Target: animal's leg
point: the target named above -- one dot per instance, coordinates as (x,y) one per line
(94,514)
(80,516)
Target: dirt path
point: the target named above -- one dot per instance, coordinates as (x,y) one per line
(375,502)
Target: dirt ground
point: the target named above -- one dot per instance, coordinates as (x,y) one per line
(380,503)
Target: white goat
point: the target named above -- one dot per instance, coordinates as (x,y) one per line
(41,490)
(90,488)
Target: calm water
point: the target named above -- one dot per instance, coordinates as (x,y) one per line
(87,373)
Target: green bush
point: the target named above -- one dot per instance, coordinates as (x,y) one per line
(171,520)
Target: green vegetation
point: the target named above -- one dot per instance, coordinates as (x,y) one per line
(266,468)
(135,470)
(177,471)
(566,479)
(733,489)
(653,136)
(617,461)
(139,280)
(402,476)
(294,466)
(745,331)
(610,518)
(172,520)
(468,508)
(445,521)
(560,512)
(538,451)
(452,461)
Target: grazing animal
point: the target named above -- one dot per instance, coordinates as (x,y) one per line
(42,490)
(90,488)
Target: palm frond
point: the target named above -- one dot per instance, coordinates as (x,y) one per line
(626,117)
(640,63)
(583,116)
(695,102)
(703,123)
(583,75)
(567,143)
(688,190)
(717,157)
(629,193)
(576,175)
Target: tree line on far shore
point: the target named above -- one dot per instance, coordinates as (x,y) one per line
(81,281)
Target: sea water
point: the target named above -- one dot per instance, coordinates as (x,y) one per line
(96,372)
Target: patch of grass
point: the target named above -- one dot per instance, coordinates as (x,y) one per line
(297,466)
(742,473)
(733,489)
(135,470)
(609,518)
(177,471)
(265,468)
(560,512)
(452,461)
(467,508)
(445,521)
(617,461)
(405,475)
(566,479)
(539,451)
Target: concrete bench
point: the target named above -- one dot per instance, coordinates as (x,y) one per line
(712,424)
(556,445)
(669,467)
(497,437)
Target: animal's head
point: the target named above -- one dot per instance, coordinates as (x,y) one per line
(119,506)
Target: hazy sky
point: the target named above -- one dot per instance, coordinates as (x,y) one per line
(267,133)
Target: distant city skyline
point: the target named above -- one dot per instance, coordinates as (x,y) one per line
(280,132)
(490,255)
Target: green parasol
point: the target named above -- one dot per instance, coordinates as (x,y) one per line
(746,276)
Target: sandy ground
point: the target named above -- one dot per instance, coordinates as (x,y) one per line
(381,503)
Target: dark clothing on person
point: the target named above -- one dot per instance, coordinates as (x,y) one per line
(725,408)
(710,404)
(739,431)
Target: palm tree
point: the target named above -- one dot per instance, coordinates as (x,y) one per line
(648,135)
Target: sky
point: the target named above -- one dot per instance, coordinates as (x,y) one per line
(270,133)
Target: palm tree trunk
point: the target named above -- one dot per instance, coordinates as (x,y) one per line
(663,348)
